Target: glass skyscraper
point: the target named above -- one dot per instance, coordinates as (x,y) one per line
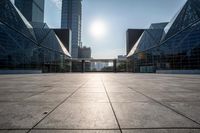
(170,47)
(71,19)
(32,10)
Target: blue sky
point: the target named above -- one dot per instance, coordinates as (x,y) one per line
(118,16)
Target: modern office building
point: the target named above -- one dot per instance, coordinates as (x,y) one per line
(121,57)
(84,52)
(28,46)
(172,48)
(98,66)
(71,19)
(32,10)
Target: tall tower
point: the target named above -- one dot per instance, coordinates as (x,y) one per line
(33,10)
(71,19)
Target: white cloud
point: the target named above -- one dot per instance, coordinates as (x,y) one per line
(58,3)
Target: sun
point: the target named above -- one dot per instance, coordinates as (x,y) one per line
(98,29)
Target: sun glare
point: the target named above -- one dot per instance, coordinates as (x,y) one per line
(98,29)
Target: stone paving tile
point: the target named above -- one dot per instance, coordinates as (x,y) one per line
(176,97)
(23,89)
(89,97)
(48,97)
(92,89)
(25,98)
(162,131)
(149,115)
(22,115)
(75,131)
(127,97)
(159,88)
(13,97)
(190,109)
(81,116)
(118,89)
(13,131)
(93,85)
(113,85)
(62,89)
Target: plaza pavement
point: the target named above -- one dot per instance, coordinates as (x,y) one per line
(100,103)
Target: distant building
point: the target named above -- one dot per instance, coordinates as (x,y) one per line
(32,10)
(84,52)
(71,19)
(132,35)
(122,58)
(98,66)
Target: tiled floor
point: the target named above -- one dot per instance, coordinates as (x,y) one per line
(100,103)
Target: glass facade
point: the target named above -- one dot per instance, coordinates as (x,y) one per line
(33,10)
(176,47)
(28,46)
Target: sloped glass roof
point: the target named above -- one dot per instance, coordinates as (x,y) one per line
(53,42)
(41,34)
(150,38)
(189,14)
(158,25)
(64,50)
(146,42)
(39,25)
(13,18)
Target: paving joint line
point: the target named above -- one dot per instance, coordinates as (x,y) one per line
(166,106)
(161,128)
(177,112)
(115,128)
(156,128)
(11,129)
(75,129)
(112,106)
(56,107)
